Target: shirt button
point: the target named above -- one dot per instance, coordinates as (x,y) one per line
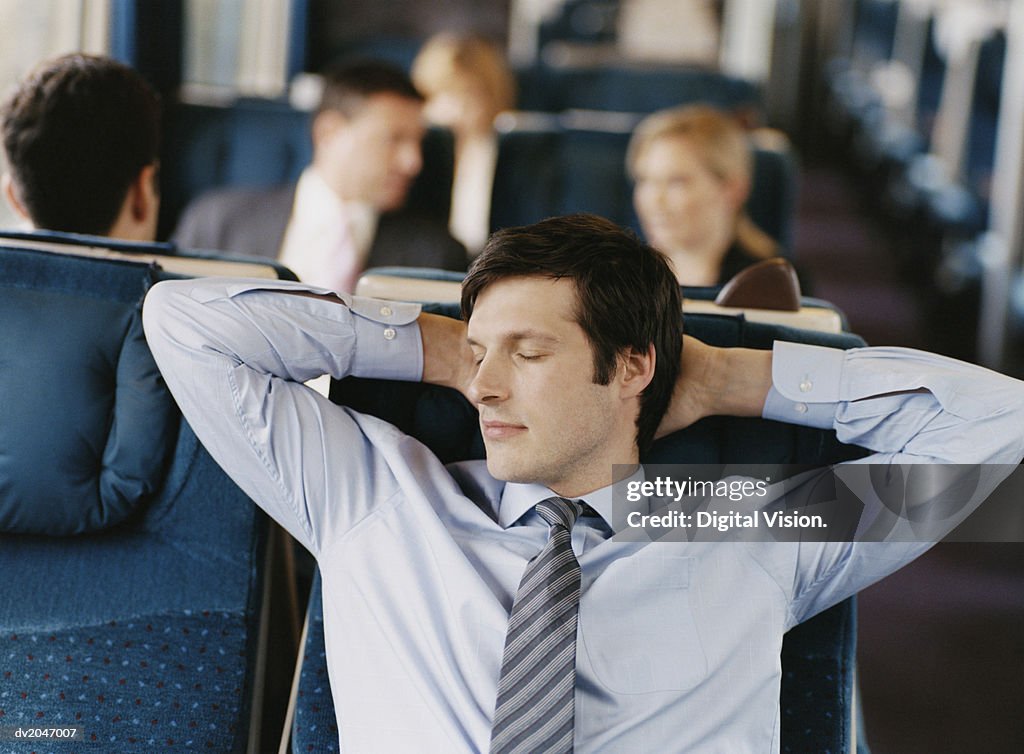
(385,311)
(800,408)
(806,385)
(389,333)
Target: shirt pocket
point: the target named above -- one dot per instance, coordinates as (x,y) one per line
(638,629)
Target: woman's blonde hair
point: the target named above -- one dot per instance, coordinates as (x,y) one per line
(724,148)
(446,56)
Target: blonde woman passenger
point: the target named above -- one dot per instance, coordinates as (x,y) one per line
(467,83)
(692,169)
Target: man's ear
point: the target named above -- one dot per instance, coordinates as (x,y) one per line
(11,195)
(137,218)
(637,370)
(143,195)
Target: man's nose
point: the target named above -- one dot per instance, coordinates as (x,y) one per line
(489,384)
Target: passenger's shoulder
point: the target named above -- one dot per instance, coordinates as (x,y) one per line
(245,198)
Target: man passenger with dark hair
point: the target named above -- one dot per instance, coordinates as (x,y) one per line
(81,134)
(347,211)
(488,605)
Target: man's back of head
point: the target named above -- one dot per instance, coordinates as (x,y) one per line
(79,133)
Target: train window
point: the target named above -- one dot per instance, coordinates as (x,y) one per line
(236,46)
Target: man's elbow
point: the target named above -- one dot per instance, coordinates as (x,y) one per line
(166,311)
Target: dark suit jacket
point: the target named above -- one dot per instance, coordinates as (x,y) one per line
(251,222)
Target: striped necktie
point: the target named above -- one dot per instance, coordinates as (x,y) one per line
(535,707)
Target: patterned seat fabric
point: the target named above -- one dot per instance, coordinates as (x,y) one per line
(141,628)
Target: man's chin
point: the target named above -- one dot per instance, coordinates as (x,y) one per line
(394,201)
(504,471)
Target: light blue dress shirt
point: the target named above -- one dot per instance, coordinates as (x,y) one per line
(678,645)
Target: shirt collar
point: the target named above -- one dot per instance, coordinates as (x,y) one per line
(517,499)
(316,205)
(314,199)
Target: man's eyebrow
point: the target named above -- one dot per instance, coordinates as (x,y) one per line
(516,336)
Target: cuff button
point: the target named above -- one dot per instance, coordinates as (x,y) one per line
(389,333)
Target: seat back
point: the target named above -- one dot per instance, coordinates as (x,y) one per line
(165,256)
(444,286)
(818,656)
(133,566)
(528,173)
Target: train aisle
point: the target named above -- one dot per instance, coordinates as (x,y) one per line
(941,647)
(846,255)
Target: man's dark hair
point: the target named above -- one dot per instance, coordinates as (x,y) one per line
(626,295)
(76,133)
(349,85)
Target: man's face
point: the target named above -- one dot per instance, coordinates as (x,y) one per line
(542,416)
(375,155)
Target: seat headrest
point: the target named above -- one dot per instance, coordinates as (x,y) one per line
(88,424)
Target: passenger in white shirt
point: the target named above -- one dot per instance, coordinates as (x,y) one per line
(574,357)
(348,210)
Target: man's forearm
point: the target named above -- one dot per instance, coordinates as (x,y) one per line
(447,358)
(717,381)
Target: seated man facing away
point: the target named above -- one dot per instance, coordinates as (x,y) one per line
(346,212)
(81,134)
(572,351)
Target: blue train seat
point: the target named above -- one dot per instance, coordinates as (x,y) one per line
(134,571)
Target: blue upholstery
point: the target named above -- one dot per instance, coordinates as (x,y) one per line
(143,632)
(113,421)
(594,165)
(818,656)
(528,175)
(250,143)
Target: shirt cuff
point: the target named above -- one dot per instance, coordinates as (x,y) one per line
(389,343)
(805,384)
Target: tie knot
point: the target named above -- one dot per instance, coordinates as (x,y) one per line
(558,511)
